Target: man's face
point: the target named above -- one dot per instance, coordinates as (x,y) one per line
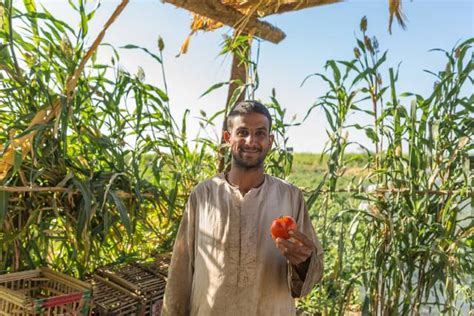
(249,139)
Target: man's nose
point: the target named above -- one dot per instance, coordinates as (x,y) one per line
(250,139)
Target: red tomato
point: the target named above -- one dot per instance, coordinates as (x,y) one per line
(290,223)
(281,226)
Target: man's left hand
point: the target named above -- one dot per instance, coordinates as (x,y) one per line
(297,249)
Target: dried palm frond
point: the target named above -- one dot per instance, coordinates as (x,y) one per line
(395,9)
(253,9)
(241,12)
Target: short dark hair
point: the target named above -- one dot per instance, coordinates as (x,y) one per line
(247,107)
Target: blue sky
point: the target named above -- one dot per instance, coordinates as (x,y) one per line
(312,37)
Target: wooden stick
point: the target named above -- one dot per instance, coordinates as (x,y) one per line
(127,195)
(227,15)
(33,189)
(117,287)
(66,279)
(294,5)
(120,281)
(23,189)
(399,190)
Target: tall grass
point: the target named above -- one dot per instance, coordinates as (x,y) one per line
(93,155)
(100,170)
(401,236)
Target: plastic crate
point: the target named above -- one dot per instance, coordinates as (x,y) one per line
(43,292)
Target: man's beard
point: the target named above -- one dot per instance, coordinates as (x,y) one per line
(241,163)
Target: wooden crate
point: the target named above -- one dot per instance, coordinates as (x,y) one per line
(160,265)
(112,299)
(43,292)
(146,280)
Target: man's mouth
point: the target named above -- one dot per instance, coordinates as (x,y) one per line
(250,151)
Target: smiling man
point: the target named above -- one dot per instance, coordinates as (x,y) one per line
(224,260)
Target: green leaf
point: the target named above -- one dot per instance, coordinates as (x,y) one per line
(31,9)
(214,87)
(371,134)
(131,46)
(329,119)
(335,70)
(4,197)
(18,160)
(360,76)
(84,216)
(124,217)
(380,61)
(84,24)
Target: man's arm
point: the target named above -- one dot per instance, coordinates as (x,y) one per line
(302,268)
(304,276)
(177,297)
(304,254)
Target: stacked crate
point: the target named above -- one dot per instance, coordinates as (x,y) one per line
(43,292)
(139,287)
(113,299)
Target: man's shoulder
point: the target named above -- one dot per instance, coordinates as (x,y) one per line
(281,183)
(209,183)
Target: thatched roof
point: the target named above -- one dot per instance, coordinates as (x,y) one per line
(243,15)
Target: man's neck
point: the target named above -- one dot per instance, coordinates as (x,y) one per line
(245,179)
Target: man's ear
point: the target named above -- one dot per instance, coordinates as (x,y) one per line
(272,138)
(226,136)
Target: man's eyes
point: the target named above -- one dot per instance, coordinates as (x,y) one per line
(245,133)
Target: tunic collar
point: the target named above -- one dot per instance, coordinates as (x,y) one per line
(251,192)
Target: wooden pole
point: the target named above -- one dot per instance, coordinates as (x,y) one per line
(238,76)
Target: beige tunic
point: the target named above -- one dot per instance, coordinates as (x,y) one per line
(224,260)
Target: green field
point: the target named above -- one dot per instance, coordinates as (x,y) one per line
(308,169)
(95,169)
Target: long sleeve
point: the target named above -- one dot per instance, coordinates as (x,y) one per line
(177,297)
(300,288)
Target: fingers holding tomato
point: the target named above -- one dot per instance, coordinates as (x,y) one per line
(301,238)
(293,250)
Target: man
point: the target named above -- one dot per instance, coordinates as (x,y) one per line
(224,260)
